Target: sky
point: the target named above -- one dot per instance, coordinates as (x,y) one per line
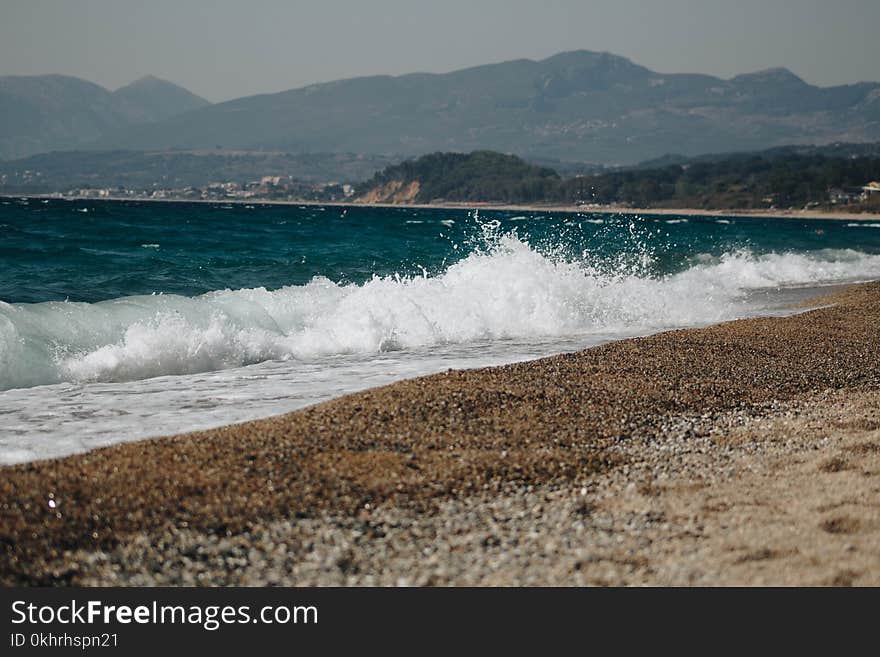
(225,49)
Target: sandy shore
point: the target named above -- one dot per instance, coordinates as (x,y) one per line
(745,453)
(682,212)
(585,209)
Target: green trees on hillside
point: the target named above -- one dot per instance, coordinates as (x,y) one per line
(737,181)
(481,175)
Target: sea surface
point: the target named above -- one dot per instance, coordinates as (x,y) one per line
(122,320)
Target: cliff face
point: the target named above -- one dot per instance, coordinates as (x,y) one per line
(395,191)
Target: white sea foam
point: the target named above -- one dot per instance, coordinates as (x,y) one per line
(508,291)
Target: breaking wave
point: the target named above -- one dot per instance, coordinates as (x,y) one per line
(506,290)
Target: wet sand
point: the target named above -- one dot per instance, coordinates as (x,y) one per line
(744,453)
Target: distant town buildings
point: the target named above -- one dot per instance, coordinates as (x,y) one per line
(848,195)
(266,188)
(841,196)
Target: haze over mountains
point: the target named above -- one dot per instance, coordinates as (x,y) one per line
(577,106)
(56,112)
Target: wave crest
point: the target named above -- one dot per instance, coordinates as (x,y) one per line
(509,290)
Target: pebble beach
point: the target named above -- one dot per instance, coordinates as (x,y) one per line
(747,453)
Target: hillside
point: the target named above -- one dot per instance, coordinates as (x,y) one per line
(482,175)
(746,182)
(833,150)
(578,106)
(776,178)
(56,112)
(151,99)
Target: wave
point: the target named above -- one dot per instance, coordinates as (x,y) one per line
(506,290)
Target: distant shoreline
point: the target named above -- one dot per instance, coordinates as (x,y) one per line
(488,205)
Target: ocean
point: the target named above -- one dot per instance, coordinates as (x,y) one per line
(122,320)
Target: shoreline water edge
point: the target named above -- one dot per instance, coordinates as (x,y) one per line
(743,453)
(488,205)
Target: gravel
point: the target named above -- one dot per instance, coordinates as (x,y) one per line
(746,453)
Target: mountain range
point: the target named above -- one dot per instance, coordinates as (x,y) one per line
(42,113)
(577,106)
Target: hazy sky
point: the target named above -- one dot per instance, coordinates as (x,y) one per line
(224,49)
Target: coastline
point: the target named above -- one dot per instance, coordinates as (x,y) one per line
(685,457)
(571,209)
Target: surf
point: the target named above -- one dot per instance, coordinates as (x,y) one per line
(505,288)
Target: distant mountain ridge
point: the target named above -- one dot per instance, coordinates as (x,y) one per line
(577,106)
(581,106)
(56,112)
(153,99)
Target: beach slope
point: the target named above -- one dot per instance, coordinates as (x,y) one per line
(744,453)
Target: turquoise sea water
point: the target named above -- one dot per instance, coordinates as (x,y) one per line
(181,315)
(87,251)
